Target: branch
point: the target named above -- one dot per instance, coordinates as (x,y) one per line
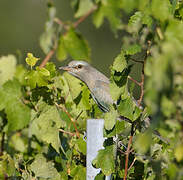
(81,19)
(61,23)
(48,56)
(143,74)
(66,132)
(135,81)
(142,62)
(132,164)
(127,156)
(70,117)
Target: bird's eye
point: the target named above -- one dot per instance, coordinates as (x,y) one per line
(79,66)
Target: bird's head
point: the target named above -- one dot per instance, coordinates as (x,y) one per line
(78,69)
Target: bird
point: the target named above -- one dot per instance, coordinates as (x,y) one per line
(98,85)
(97,82)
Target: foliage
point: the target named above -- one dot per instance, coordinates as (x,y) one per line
(43,113)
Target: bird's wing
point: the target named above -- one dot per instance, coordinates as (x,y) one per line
(101,95)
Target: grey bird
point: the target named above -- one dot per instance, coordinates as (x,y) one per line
(97,82)
(98,85)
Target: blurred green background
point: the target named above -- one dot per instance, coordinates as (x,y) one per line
(22,23)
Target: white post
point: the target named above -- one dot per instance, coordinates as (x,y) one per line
(95,141)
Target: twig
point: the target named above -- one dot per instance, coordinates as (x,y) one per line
(142,87)
(70,117)
(127,156)
(2,144)
(59,22)
(142,62)
(135,81)
(143,75)
(49,55)
(81,19)
(132,164)
(66,132)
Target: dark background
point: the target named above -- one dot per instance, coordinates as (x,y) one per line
(22,23)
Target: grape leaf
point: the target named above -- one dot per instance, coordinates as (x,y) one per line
(76,45)
(44,169)
(18,114)
(7,68)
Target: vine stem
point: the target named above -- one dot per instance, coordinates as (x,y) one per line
(141,84)
(132,163)
(127,157)
(48,56)
(61,23)
(70,117)
(66,132)
(135,81)
(81,19)
(143,74)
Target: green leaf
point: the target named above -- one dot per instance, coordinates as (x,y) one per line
(105,160)
(51,68)
(133,49)
(7,166)
(130,5)
(74,84)
(146,19)
(37,77)
(7,68)
(179,152)
(44,169)
(139,18)
(110,9)
(43,71)
(20,73)
(173,31)
(78,173)
(137,113)
(143,142)
(161,9)
(117,91)
(18,114)
(31,60)
(110,119)
(47,38)
(81,144)
(168,106)
(61,50)
(126,108)
(135,19)
(84,7)
(119,63)
(46,126)
(17,142)
(100,176)
(76,45)
(84,102)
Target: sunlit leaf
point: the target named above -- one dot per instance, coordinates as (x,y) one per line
(84,7)
(76,45)
(44,169)
(31,60)
(7,68)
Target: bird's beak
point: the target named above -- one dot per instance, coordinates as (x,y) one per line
(65,68)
